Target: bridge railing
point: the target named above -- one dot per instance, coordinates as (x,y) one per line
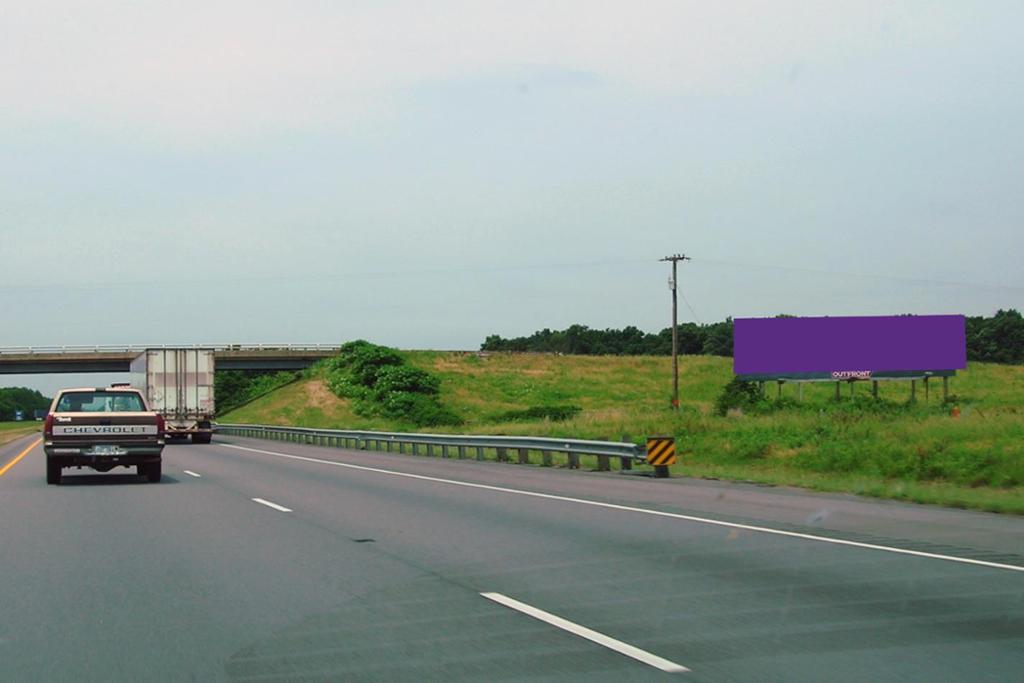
(450,445)
(139,348)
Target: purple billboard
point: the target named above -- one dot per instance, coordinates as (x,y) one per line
(849,348)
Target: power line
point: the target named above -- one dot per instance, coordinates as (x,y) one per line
(692,312)
(334,277)
(869,276)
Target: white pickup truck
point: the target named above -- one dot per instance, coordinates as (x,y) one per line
(103,428)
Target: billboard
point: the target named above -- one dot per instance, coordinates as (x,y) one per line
(849,347)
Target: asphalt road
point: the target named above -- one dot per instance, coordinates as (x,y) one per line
(390,567)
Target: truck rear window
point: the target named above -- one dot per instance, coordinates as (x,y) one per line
(100,402)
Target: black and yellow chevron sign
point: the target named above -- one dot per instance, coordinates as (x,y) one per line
(661,450)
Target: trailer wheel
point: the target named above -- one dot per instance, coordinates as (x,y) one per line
(202,438)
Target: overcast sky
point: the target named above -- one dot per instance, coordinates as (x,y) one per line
(423,174)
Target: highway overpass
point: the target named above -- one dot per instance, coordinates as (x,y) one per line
(25,360)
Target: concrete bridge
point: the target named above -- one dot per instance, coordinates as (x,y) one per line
(17,360)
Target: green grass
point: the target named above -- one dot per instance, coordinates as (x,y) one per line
(891,449)
(10,431)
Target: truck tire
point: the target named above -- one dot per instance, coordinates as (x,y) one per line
(202,438)
(52,472)
(153,471)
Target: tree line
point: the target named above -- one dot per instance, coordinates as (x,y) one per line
(995,339)
(13,399)
(714,339)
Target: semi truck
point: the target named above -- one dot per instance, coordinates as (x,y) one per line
(178,384)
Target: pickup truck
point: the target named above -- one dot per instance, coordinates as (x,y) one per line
(102,428)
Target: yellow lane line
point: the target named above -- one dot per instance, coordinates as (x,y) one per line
(3,470)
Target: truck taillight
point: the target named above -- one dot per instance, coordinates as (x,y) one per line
(48,425)
(161,424)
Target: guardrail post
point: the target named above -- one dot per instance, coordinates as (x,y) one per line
(545,458)
(462,452)
(430,450)
(603,465)
(444,450)
(479,452)
(390,447)
(524,456)
(415,448)
(573,460)
(502,455)
(626,463)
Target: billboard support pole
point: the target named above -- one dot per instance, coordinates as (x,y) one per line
(926,393)
(675,259)
(874,388)
(945,389)
(913,390)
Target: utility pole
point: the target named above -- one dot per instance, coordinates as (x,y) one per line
(675,259)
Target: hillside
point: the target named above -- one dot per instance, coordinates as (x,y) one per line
(890,449)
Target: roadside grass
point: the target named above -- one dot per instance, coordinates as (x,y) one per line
(10,431)
(891,448)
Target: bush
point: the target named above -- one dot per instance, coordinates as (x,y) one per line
(342,385)
(738,394)
(422,410)
(379,382)
(402,378)
(363,361)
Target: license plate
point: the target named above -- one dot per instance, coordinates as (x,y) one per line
(106,450)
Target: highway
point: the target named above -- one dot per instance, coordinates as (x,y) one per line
(268,561)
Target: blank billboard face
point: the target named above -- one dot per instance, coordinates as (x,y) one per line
(848,348)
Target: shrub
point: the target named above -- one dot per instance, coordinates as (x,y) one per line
(379,382)
(421,409)
(738,394)
(402,378)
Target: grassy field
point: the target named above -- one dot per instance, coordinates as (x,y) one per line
(890,448)
(9,431)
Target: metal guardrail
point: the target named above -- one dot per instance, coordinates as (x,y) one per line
(139,348)
(450,445)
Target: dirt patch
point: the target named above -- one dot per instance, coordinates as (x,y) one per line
(318,394)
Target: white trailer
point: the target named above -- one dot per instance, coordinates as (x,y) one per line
(178,384)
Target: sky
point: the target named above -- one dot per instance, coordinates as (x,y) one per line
(426,174)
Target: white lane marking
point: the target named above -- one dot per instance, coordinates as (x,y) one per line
(279,508)
(591,635)
(193,474)
(644,511)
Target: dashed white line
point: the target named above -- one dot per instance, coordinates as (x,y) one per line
(275,506)
(591,635)
(193,474)
(645,511)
